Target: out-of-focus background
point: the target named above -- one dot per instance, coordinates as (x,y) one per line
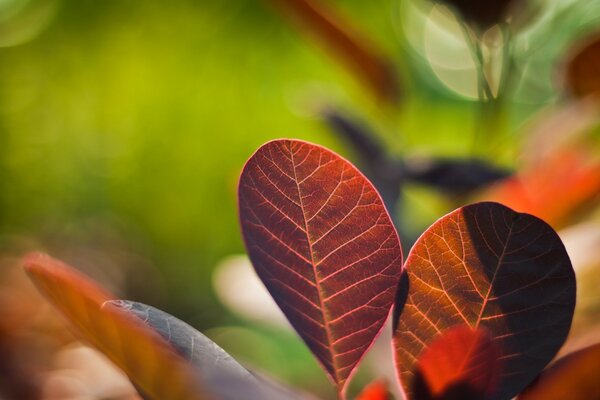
(124,126)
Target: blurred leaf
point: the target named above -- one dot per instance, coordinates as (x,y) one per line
(573,377)
(220,372)
(377,390)
(556,189)
(323,244)
(487,266)
(386,173)
(453,176)
(352,48)
(583,69)
(149,361)
(482,14)
(462,363)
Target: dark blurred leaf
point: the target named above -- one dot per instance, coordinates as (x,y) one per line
(583,69)
(481,13)
(462,364)
(336,35)
(573,377)
(487,266)
(377,390)
(149,361)
(386,173)
(225,377)
(323,244)
(454,177)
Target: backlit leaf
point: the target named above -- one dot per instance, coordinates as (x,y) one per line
(337,36)
(487,266)
(462,363)
(322,242)
(149,361)
(573,377)
(220,372)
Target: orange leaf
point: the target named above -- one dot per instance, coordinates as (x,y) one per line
(462,363)
(553,190)
(149,361)
(335,34)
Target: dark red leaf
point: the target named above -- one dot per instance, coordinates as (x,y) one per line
(485,265)
(377,390)
(337,36)
(149,361)
(462,363)
(324,246)
(573,377)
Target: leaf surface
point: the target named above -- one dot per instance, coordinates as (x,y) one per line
(323,244)
(573,377)
(462,363)
(150,362)
(337,36)
(220,372)
(485,265)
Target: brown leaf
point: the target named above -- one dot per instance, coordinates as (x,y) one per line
(336,35)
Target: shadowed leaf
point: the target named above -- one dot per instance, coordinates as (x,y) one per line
(377,390)
(573,377)
(462,363)
(218,371)
(149,361)
(452,176)
(485,265)
(322,242)
(337,36)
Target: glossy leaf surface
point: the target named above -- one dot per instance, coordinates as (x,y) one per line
(485,265)
(149,361)
(220,372)
(462,363)
(337,36)
(573,377)
(322,242)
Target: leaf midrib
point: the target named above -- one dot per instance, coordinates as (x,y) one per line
(317,282)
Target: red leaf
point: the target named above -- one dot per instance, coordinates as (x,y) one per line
(485,265)
(573,377)
(149,361)
(340,38)
(377,390)
(462,363)
(324,246)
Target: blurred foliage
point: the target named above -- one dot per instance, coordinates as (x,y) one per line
(124,125)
